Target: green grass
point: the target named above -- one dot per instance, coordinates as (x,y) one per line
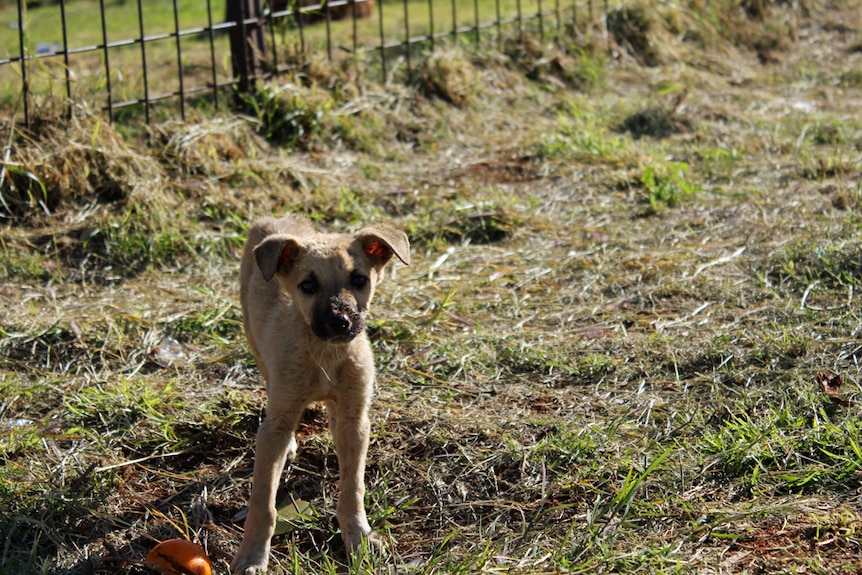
(121,21)
(584,141)
(788,451)
(666,189)
(604,356)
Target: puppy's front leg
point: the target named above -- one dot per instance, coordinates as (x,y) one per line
(274,444)
(350,429)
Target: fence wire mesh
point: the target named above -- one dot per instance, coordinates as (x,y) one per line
(125,57)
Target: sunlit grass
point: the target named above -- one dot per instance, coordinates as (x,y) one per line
(606,354)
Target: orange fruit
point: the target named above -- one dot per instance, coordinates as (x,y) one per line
(180,556)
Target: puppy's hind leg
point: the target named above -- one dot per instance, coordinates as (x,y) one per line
(274,445)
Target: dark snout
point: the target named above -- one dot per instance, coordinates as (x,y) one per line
(337,320)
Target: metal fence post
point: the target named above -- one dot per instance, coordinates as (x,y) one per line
(382,41)
(246,41)
(25,87)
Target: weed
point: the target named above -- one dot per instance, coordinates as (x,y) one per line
(718,163)
(592,368)
(825,168)
(219,322)
(145,237)
(851,79)
(582,141)
(807,263)
(589,69)
(288,115)
(667,186)
(788,450)
(119,408)
(828,134)
(22,191)
(566,448)
(25,265)
(606,519)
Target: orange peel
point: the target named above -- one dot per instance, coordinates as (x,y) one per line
(180,556)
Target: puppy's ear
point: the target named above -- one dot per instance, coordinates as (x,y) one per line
(276,254)
(381,242)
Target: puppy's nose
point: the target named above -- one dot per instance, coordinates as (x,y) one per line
(339,322)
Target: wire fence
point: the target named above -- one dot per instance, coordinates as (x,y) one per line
(126,56)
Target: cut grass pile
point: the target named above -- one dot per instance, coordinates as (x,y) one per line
(629,339)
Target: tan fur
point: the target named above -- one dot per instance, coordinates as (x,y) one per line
(310,347)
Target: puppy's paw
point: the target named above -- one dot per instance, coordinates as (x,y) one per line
(378,544)
(250,561)
(291,448)
(358,542)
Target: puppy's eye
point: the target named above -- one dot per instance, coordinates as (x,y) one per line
(359,281)
(309,286)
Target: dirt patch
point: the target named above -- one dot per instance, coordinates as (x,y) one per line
(769,548)
(501,170)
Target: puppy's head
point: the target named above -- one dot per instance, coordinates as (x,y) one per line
(331,277)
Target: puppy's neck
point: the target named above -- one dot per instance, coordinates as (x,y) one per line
(327,356)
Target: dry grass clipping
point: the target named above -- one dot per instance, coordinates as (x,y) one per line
(95,164)
(451,76)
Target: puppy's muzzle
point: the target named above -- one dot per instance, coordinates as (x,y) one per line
(337,321)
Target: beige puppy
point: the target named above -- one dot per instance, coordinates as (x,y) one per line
(304,298)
